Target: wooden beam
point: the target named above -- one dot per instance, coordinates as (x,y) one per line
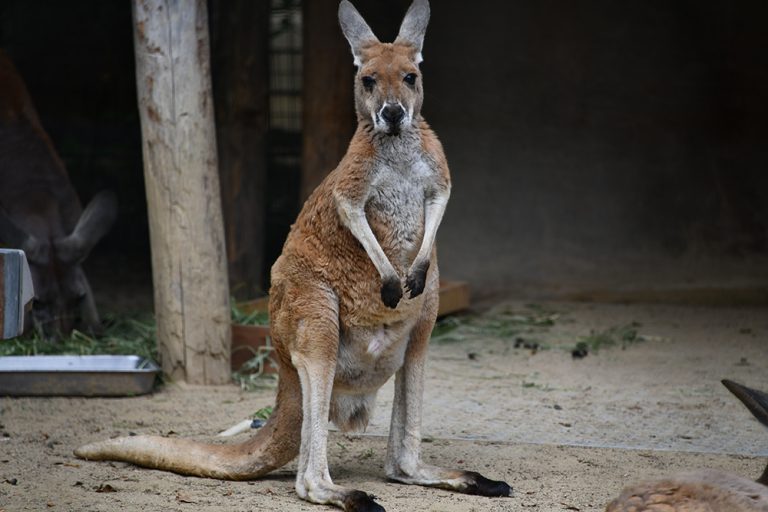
(454,297)
(240,62)
(329,111)
(189,263)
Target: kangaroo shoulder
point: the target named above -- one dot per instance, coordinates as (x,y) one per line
(433,149)
(352,176)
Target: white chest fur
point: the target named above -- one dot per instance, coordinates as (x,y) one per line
(395,207)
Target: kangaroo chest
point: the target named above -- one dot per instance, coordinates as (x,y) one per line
(395,208)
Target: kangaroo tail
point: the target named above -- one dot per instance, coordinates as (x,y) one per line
(274,445)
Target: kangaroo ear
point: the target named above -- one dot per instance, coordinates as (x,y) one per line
(355,29)
(94,223)
(414,27)
(756,401)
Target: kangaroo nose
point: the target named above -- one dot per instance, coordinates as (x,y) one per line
(393,114)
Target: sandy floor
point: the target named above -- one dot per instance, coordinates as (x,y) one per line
(567,433)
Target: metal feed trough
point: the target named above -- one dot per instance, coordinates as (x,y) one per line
(76,375)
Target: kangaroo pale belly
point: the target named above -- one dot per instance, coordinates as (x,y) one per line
(367,358)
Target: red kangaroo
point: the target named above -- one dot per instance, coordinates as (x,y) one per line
(354,295)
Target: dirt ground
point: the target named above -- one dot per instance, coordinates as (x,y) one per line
(566,433)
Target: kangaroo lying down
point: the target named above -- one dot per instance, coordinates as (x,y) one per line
(706,490)
(340,322)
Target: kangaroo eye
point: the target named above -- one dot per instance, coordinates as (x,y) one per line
(410,79)
(368,82)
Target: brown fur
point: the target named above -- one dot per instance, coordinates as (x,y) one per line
(320,248)
(704,490)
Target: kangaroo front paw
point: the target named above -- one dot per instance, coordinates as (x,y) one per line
(416,279)
(391,292)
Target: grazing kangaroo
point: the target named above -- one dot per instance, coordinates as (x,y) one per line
(41,214)
(704,490)
(340,323)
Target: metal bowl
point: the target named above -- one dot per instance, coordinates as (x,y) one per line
(76,375)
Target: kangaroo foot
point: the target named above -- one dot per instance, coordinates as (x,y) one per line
(325,492)
(359,501)
(466,482)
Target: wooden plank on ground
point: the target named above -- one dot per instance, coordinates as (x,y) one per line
(454,297)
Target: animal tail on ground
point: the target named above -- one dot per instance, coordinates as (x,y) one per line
(273,446)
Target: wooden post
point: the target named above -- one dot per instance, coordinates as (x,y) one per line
(329,110)
(240,62)
(189,263)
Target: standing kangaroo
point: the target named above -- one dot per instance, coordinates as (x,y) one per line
(340,324)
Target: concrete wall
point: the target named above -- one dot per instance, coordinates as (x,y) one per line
(593,143)
(597,143)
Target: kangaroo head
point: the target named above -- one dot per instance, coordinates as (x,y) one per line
(388,88)
(60,297)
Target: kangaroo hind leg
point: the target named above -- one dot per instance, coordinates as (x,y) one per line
(314,356)
(403,451)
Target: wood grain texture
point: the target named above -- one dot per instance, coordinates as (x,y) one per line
(189,263)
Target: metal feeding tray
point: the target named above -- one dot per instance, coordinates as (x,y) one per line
(76,375)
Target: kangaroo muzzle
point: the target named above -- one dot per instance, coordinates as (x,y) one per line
(392,116)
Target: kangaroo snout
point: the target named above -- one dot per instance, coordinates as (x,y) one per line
(392,115)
